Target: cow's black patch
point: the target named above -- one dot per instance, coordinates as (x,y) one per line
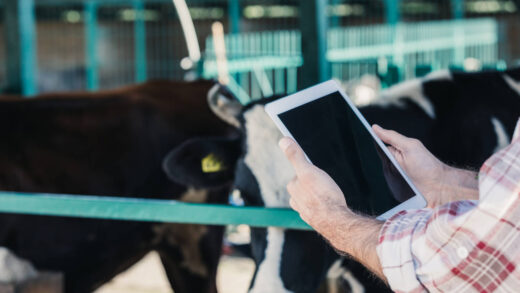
(203,162)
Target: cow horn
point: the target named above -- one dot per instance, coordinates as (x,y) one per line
(227,109)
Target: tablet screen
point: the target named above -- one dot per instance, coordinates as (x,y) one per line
(335,140)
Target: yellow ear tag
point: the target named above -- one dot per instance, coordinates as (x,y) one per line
(212,164)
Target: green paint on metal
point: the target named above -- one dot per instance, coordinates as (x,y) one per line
(334,19)
(134,209)
(352,51)
(457,7)
(313,27)
(234,16)
(140,42)
(91,41)
(28,59)
(393,13)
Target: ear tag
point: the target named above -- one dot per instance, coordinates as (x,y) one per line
(212,164)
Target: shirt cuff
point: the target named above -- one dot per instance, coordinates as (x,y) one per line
(395,249)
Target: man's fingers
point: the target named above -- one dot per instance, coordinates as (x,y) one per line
(391,137)
(295,154)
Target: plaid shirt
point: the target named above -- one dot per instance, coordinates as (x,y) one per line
(463,246)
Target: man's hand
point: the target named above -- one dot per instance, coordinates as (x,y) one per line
(322,205)
(314,194)
(438,182)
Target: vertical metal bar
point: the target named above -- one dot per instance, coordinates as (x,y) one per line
(458,32)
(20,30)
(140,42)
(234,16)
(91,38)
(29,62)
(313,26)
(393,13)
(457,7)
(334,19)
(12,48)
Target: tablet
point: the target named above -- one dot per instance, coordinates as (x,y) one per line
(337,139)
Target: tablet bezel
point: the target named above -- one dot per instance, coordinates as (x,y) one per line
(321,90)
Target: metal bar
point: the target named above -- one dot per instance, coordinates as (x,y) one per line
(91,38)
(313,25)
(134,209)
(393,14)
(334,19)
(234,16)
(20,32)
(12,47)
(458,34)
(29,61)
(457,7)
(140,42)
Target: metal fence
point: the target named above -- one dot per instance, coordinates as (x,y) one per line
(267,63)
(90,44)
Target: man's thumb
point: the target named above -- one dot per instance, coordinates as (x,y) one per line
(391,137)
(294,153)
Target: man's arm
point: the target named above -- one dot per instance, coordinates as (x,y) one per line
(356,236)
(322,204)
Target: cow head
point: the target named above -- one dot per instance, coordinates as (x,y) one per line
(208,162)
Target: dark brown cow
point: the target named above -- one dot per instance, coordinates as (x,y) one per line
(111,143)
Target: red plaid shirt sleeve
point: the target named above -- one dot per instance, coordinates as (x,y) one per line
(464,246)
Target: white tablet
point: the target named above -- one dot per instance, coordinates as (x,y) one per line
(337,138)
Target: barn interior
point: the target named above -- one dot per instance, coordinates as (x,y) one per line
(258,49)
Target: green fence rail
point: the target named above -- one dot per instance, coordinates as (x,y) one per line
(138,209)
(263,63)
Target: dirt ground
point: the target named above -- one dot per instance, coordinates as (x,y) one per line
(147,276)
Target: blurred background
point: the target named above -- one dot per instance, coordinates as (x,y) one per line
(271,46)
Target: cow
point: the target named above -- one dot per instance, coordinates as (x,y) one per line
(462,118)
(112,143)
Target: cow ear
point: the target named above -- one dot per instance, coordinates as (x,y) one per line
(203,162)
(223,103)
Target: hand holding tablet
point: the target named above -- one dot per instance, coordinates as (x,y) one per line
(336,138)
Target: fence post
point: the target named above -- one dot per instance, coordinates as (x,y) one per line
(393,14)
(140,42)
(20,31)
(457,7)
(234,16)
(334,19)
(313,26)
(91,39)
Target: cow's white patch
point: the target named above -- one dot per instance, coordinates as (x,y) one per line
(268,273)
(336,272)
(413,90)
(264,158)
(515,85)
(502,138)
(226,109)
(14,269)
(355,285)
(439,74)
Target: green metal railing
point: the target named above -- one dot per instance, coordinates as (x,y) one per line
(127,41)
(136,209)
(264,63)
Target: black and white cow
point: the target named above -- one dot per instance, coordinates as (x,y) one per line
(461,117)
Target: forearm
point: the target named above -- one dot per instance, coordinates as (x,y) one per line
(356,236)
(459,184)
